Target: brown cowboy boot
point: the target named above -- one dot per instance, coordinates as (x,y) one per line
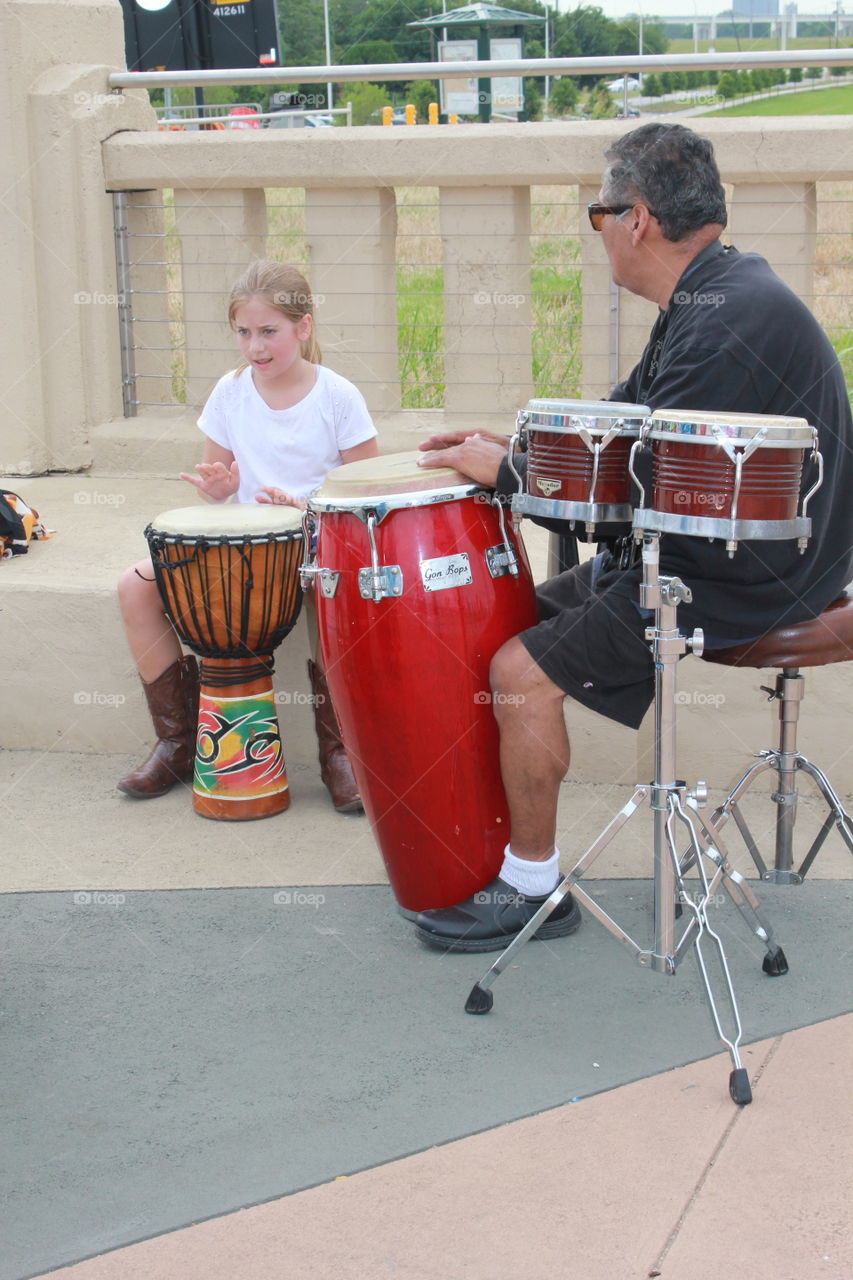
(335,768)
(173,704)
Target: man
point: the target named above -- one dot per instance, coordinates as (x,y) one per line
(732,337)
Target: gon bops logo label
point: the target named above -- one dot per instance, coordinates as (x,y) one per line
(547,486)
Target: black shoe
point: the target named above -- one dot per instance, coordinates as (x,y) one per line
(491,918)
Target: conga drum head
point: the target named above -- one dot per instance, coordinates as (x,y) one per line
(229,575)
(577,460)
(726,475)
(390,481)
(230,520)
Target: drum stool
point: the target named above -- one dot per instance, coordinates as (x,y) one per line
(816,643)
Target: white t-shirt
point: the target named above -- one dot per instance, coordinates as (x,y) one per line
(291,449)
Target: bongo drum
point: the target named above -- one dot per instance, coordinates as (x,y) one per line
(419,582)
(229,578)
(727,475)
(577,460)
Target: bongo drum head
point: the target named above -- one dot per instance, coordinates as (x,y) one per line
(394,476)
(785,432)
(556,412)
(228,520)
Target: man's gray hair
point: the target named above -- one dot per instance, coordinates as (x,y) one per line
(673,172)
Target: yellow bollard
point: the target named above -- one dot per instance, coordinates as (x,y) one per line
(453,118)
(433,113)
(410,113)
(387,114)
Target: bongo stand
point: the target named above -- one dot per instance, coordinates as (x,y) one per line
(674,809)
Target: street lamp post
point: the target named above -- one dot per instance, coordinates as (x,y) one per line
(329,102)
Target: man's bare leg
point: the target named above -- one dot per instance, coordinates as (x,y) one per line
(534,749)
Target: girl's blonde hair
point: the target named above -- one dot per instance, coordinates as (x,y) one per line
(283,288)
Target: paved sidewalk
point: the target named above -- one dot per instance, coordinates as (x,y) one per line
(663,1177)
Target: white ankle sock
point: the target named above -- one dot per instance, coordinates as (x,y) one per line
(534,878)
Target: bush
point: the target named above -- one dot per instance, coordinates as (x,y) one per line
(421,93)
(564,96)
(366,98)
(652,86)
(795,75)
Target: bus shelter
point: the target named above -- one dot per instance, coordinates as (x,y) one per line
(486,96)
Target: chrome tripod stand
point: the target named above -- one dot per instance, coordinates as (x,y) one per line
(671,804)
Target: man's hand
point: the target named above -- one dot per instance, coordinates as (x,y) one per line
(477,456)
(214,480)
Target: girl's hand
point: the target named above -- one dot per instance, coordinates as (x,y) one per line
(278,498)
(215,481)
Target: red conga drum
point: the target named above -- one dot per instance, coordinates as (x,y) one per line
(418,582)
(577,460)
(727,475)
(229,579)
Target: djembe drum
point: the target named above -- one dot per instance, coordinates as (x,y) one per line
(418,583)
(229,579)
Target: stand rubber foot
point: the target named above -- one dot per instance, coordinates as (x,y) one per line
(775,963)
(479,1000)
(739,1088)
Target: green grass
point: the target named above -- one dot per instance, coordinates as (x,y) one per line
(728,44)
(821,102)
(556,307)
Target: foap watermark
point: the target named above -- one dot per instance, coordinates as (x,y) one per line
(485,299)
(98,899)
(696,698)
(296,698)
(87,298)
(692,497)
(697,895)
(83,99)
(294,298)
(298,898)
(683,298)
(483,698)
(496,897)
(98,498)
(93,698)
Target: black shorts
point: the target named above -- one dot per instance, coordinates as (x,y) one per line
(593,646)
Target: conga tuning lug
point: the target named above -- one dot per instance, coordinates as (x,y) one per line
(328,582)
(387,580)
(501,560)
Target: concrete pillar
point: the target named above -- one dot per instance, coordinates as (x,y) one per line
(616,323)
(487,310)
(59,361)
(351,234)
(779,222)
(153,356)
(220,232)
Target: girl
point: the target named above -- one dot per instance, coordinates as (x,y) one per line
(281,418)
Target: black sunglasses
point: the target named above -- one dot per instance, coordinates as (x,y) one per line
(598,212)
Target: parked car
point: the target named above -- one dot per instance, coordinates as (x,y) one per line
(618,86)
(623,115)
(319,122)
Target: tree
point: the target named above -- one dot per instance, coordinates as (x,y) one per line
(366,51)
(366,100)
(652,86)
(564,96)
(795,75)
(421,93)
(600,104)
(727,86)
